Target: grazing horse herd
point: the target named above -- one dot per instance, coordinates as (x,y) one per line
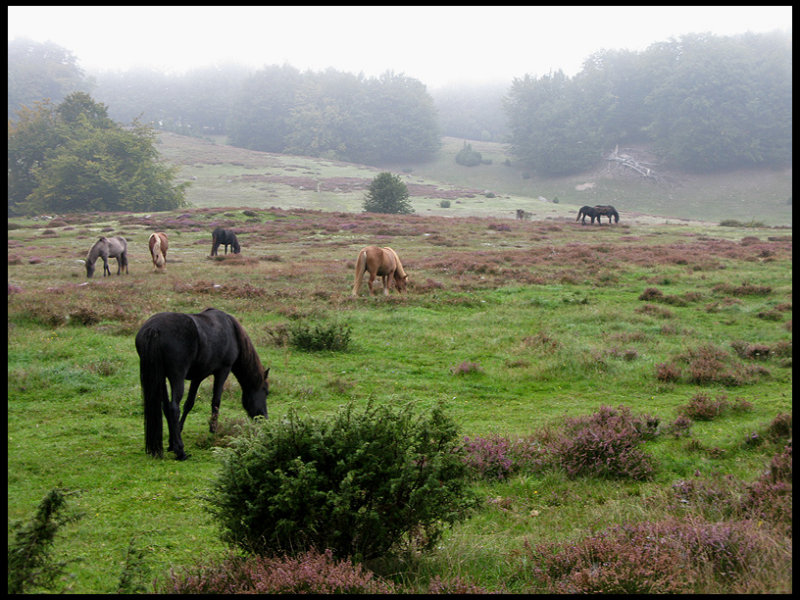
(176,347)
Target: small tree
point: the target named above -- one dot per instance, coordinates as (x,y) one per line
(467,156)
(362,485)
(387,194)
(30,554)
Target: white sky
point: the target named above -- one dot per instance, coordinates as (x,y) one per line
(435,44)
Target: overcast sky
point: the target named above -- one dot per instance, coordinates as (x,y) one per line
(435,44)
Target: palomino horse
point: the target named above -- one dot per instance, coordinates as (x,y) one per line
(158,250)
(608,211)
(587,211)
(105,248)
(383,262)
(177,346)
(225,237)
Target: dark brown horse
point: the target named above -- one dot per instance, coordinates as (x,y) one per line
(224,237)
(175,347)
(608,211)
(158,250)
(587,211)
(383,262)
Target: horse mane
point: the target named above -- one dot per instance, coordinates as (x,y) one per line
(400,270)
(247,368)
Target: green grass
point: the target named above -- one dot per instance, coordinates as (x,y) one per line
(222,175)
(547,310)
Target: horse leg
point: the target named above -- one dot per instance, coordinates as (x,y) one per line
(106,270)
(189,404)
(370,282)
(385,281)
(172,413)
(219,381)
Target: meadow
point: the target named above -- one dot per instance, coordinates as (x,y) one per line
(515,327)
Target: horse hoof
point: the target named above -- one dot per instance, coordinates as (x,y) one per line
(183,456)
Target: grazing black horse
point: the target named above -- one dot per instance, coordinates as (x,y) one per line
(225,237)
(608,211)
(176,347)
(587,211)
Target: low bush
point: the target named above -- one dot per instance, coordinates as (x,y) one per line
(497,457)
(333,336)
(310,572)
(604,445)
(671,556)
(363,485)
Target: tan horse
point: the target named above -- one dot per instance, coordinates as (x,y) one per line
(158,250)
(383,262)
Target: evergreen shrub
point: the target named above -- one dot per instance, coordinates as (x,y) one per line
(362,484)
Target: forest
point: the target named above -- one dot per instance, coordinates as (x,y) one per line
(703,103)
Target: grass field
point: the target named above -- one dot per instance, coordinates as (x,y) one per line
(225,176)
(555,318)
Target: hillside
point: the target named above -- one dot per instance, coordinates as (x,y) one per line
(223,175)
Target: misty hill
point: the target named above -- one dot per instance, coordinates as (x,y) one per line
(223,175)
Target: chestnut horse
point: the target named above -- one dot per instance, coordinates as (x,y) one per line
(383,262)
(158,250)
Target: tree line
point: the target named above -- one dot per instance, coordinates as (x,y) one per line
(703,103)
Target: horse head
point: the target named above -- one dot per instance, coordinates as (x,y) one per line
(400,282)
(89,268)
(255,402)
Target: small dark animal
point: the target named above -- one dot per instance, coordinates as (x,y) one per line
(523,215)
(226,237)
(587,211)
(105,248)
(608,211)
(176,347)
(383,262)
(158,250)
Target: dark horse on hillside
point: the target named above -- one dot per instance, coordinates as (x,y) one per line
(225,237)
(587,211)
(383,262)
(176,347)
(607,211)
(105,248)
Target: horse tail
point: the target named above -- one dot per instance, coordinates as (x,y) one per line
(154,389)
(361,266)
(580,212)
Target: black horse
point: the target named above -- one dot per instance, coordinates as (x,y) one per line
(608,211)
(225,237)
(176,347)
(587,211)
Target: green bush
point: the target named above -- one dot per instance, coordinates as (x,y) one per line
(467,156)
(31,564)
(444,203)
(334,336)
(363,485)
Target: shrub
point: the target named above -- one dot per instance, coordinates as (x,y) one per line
(466,367)
(672,556)
(30,560)
(781,427)
(467,156)
(651,294)
(604,445)
(310,572)
(497,457)
(335,336)
(444,203)
(703,408)
(668,372)
(360,484)
(387,193)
